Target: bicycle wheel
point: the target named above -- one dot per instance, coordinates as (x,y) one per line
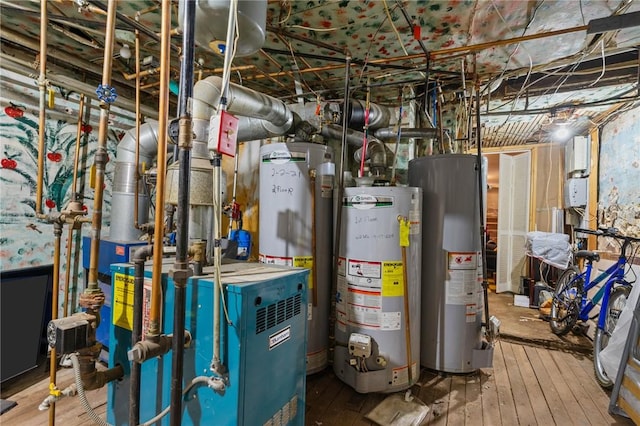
(565,305)
(617,301)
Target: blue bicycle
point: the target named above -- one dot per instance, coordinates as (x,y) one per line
(571,302)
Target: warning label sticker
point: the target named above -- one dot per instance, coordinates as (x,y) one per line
(275,260)
(122,303)
(392,279)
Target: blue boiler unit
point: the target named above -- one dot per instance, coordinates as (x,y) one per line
(263,347)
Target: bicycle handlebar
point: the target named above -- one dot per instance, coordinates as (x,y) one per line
(607,232)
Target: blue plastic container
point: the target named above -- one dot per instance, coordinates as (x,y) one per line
(243,238)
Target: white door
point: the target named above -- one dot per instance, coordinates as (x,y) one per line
(513,219)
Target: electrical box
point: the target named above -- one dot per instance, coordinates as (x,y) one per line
(223,133)
(575,192)
(576,156)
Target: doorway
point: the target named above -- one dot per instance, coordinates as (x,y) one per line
(508,200)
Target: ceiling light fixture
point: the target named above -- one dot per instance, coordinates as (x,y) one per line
(562,132)
(125,52)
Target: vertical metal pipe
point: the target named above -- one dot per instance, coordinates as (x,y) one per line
(138,117)
(136,333)
(74,197)
(485,284)
(217,167)
(314,256)
(156,285)
(336,246)
(42,117)
(181,270)
(76,155)
(53,361)
(101,153)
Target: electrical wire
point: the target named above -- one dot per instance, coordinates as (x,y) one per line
(604,65)
(286,18)
(395,30)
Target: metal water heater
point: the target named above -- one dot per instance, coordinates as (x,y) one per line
(378,290)
(452,294)
(263,343)
(296,227)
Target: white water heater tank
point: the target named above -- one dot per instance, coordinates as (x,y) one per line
(377,330)
(296,227)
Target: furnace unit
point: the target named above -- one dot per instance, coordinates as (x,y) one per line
(263,347)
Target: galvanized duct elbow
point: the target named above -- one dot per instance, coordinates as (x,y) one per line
(376,150)
(261,115)
(124,182)
(376,154)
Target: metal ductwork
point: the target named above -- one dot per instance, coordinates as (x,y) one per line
(124,182)
(376,150)
(379,116)
(261,116)
(391,134)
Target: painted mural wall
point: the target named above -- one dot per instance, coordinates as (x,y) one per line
(619,194)
(26,241)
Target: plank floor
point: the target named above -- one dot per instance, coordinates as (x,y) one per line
(527,385)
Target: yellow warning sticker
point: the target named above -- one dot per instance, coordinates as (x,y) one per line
(122,304)
(404,232)
(392,279)
(305,262)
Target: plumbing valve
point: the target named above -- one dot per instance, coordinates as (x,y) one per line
(106,93)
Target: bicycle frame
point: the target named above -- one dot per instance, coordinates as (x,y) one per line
(615,273)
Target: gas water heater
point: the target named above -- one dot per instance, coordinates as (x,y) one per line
(452,294)
(296,227)
(377,329)
(263,346)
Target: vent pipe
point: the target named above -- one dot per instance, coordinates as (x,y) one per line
(124,182)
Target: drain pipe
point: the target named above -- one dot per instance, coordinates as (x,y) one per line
(139,258)
(181,271)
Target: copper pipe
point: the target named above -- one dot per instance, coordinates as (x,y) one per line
(434,53)
(137,156)
(67,273)
(53,361)
(76,157)
(144,73)
(74,197)
(314,266)
(101,153)
(163,109)
(42,117)
(514,40)
(407,320)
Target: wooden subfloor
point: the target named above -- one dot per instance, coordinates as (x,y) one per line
(527,385)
